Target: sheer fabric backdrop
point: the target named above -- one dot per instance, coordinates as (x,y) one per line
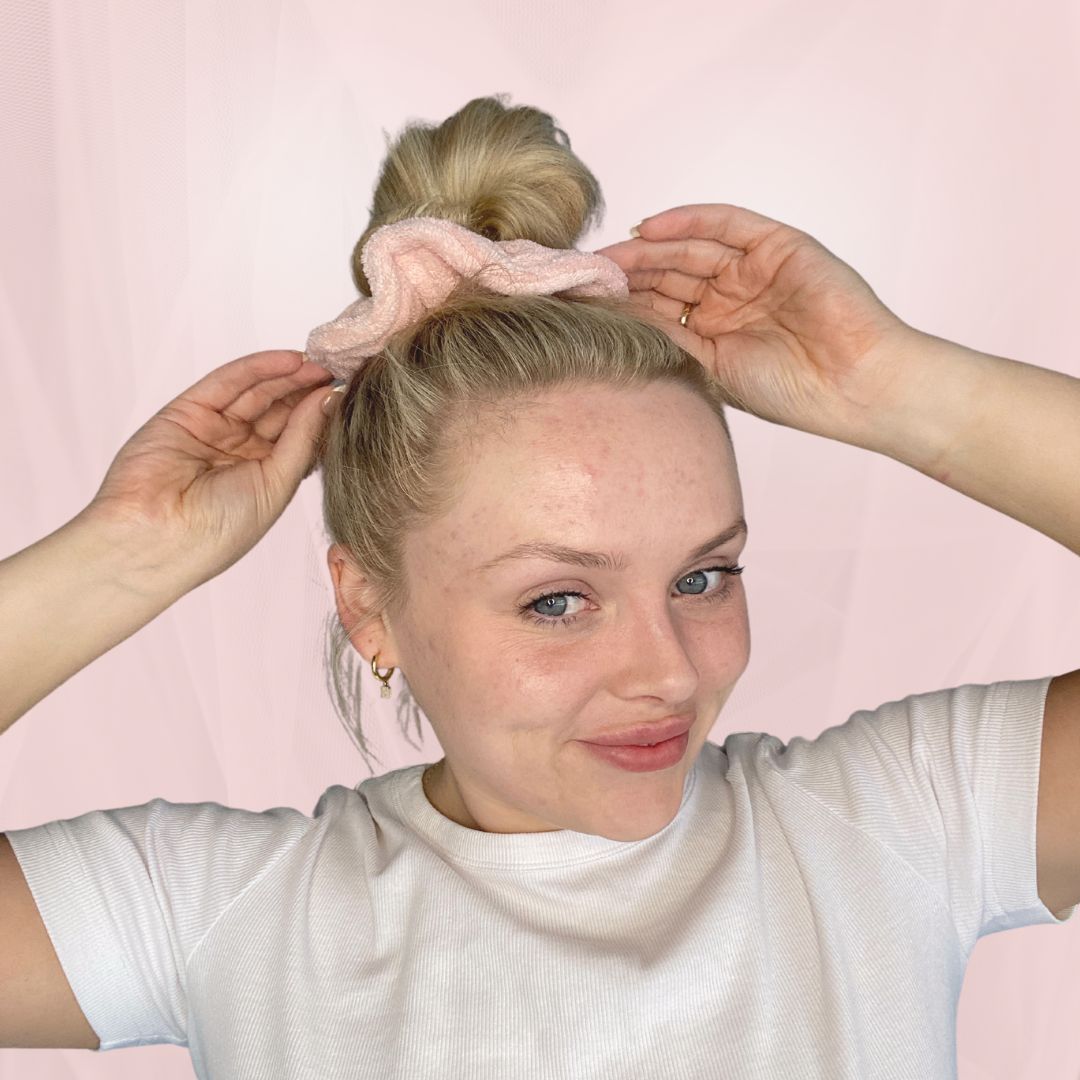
(182,184)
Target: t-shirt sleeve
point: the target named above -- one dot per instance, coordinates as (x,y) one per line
(127,894)
(948,781)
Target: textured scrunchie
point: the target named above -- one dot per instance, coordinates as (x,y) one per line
(413,265)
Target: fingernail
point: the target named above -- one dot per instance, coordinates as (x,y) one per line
(634,230)
(331,399)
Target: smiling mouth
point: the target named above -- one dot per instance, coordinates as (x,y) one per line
(637,758)
(646,734)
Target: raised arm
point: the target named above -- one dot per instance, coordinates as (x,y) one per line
(1004,432)
(190,493)
(66,600)
(797,337)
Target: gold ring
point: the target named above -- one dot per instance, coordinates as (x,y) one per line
(687,308)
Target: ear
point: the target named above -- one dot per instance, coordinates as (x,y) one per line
(351,589)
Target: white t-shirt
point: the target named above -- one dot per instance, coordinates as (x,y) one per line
(809,912)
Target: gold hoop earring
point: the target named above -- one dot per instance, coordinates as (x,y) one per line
(384,679)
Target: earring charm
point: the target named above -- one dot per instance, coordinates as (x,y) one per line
(384,679)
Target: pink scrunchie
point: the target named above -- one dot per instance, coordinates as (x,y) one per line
(413,265)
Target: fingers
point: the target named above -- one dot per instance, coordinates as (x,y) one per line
(734,226)
(246,387)
(267,405)
(276,396)
(685,288)
(664,306)
(700,239)
(272,421)
(663,313)
(293,456)
(700,257)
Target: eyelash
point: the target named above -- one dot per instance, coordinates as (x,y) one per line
(565,620)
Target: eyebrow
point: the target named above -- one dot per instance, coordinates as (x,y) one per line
(599,560)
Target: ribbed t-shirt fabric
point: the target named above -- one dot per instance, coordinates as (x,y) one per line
(809,912)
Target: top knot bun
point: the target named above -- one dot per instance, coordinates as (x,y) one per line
(507,173)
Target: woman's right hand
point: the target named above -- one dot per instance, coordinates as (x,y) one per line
(200,483)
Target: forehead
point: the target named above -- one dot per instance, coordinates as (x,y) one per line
(593,467)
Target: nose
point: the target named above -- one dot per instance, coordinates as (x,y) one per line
(652,658)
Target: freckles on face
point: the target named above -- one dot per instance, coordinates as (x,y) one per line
(545,686)
(646,475)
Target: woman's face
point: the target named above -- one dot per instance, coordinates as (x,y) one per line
(512,683)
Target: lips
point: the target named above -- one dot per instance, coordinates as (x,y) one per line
(645,734)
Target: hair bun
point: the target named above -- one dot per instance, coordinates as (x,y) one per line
(505,172)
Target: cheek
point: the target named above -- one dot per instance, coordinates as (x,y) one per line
(737,650)
(543,674)
(537,686)
(719,647)
(433,655)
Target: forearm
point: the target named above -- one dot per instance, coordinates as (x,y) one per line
(1003,432)
(64,601)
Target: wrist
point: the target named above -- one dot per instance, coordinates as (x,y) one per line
(64,601)
(929,394)
(122,557)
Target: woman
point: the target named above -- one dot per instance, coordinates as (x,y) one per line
(537,517)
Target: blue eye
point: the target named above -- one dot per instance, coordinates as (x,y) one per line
(555,606)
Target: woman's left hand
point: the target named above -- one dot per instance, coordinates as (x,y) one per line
(792,333)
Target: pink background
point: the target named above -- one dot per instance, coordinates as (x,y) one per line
(182,184)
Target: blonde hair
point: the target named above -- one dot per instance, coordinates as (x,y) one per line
(393,453)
